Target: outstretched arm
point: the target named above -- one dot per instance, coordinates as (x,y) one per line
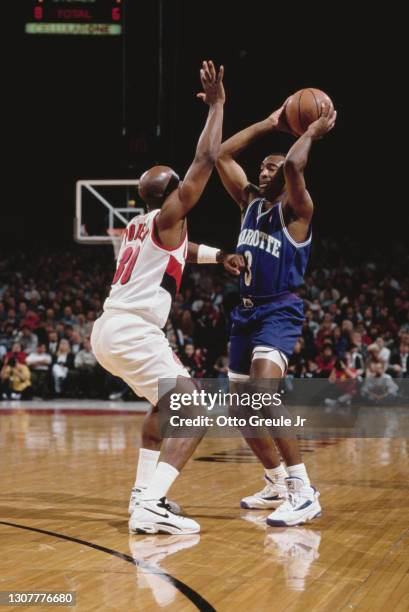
(180,202)
(299,200)
(231,173)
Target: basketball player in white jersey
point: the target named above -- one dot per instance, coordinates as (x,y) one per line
(128,339)
(149,452)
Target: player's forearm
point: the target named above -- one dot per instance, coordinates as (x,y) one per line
(297,157)
(208,146)
(240,141)
(201,254)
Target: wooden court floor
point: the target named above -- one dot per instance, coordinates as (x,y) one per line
(65,480)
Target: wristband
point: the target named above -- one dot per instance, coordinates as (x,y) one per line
(206,254)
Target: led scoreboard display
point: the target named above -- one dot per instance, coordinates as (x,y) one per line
(75,17)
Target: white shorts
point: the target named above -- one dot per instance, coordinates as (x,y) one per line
(136,350)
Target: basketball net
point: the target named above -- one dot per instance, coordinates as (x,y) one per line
(116,234)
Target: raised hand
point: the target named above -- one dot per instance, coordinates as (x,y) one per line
(212,84)
(325,123)
(278,120)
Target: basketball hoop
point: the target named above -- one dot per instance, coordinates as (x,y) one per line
(116,234)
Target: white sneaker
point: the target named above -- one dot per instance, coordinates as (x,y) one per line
(136,496)
(155,516)
(271,496)
(302,505)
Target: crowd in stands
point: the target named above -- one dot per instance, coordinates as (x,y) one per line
(356,320)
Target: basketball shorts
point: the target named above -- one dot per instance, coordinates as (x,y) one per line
(132,348)
(276,324)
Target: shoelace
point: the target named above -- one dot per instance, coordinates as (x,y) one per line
(163,504)
(266,490)
(292,498)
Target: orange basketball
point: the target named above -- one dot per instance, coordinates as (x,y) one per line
(303,108)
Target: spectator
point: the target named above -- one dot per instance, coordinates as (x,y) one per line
(356,340)
(27,339)
(89,323)
(39,363)
(384,352)
(328,296)
(81,325)
(12,318)
(52,342)
(31,320)
(355,360)
(325,361)
(50,317)
(193,360)
(16,353)
(222,366)
(75,342)
(22,311)
(187,358)
(186,324)
(345,387)
(312,291)
(200,363)
(63,362)
(85,358)
(324,336)
(379,388)
(399,363)
(8,335)
(15,381)
(340,341)
(311,323)
(86,368)
(68,318)
(373,356)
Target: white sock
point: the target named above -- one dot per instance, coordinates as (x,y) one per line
(299,471)
(147,462)
(162,480)
(277,474)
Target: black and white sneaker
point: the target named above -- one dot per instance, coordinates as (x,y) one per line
(271,496)
(136,496)
(156,516)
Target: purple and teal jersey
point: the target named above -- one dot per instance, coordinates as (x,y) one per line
(276,263)
(270,314)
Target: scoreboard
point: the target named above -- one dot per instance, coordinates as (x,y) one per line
(75,17)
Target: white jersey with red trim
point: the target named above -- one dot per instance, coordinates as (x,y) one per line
(148,275)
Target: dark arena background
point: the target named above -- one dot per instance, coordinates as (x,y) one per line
(103,90)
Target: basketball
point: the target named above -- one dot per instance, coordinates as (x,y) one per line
(303,108)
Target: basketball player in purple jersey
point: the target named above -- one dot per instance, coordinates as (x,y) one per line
(275,242)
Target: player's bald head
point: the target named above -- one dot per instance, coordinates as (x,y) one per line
(156,184)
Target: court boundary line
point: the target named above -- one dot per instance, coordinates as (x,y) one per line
(196,599)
